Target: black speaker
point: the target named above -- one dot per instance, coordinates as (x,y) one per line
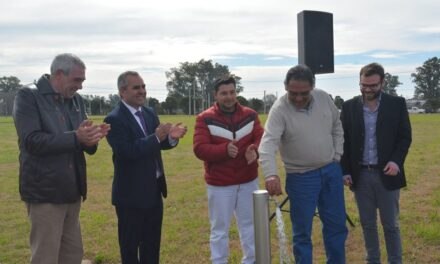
(315,41)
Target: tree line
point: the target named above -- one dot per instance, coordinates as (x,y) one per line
(190,88)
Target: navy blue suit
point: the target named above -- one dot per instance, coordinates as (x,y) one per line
(137,191)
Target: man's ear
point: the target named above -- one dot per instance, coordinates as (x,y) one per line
(56,77)
(122,91)
(58,74)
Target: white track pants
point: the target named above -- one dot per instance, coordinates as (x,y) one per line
(224,201)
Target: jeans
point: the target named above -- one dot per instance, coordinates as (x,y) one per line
(323,189)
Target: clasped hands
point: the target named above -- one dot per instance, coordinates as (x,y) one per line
(89,134)
(174,131)
(250,154)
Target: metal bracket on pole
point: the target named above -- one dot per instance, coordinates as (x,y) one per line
(261,227)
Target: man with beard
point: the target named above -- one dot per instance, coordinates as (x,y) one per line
(226,138)
(377,136)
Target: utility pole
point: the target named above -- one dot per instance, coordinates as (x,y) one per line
(194,97)
(264,101)
(203,93)
(189,101)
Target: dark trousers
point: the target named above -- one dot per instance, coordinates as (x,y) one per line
(139,232)
(371,196)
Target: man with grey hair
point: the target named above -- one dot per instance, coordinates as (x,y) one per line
(137,139)
(53,134)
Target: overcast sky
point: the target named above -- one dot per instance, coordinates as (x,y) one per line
(256,39)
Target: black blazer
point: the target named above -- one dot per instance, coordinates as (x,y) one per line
(135,157)
(393,135)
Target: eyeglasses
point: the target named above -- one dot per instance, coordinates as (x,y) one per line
(298,94)
(136,87)
(369,86)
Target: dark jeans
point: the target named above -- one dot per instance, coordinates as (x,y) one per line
(322,188)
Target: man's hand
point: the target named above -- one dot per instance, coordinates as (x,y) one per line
(273,185)
(391,169)
(177,131)
(347,180)
(232,149)
(251,154)
(162,131)
(89,134)
(105,128)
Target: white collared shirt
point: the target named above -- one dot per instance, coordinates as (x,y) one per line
(133,111)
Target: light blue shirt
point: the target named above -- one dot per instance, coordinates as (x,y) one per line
(370,142)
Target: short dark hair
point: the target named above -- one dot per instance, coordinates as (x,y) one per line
(371,69)
(225,79)
(300,73)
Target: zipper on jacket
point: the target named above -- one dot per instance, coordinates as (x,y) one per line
(232,125)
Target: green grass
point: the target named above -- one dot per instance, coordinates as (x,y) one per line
(186,227)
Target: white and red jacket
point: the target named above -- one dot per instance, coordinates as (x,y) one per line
(213,131)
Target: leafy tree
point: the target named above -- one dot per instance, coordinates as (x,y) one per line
(170,104)
(391,82)
(338,101)
(97,105)
(87,102)
(113,100)
(6,103)
(184,105)
(427,80)
(8,88)
(153,102)
(256,104)
(196,80)
(243,101)
(9,84)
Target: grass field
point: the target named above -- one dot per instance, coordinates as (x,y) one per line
(186,226)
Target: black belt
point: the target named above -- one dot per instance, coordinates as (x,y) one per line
(370,166)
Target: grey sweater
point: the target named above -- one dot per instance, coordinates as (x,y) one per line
(307,139)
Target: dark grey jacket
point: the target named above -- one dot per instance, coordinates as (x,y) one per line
(52,162)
